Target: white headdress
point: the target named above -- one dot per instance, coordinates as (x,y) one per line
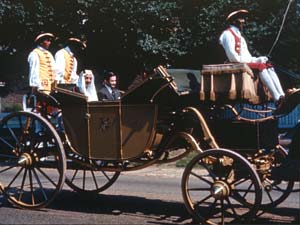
(90,90)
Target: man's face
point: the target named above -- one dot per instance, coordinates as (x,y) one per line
(112,81)
(241,22)
(46,43)
(88,79)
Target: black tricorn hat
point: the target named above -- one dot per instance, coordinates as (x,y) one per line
(44,36)
(241,13)
(77,41)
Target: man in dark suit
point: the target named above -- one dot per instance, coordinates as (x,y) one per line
(109,91)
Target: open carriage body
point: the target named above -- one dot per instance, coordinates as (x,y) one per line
(160,120)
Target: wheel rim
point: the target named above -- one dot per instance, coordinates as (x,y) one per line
(32,160)
(217,191)
(90,181)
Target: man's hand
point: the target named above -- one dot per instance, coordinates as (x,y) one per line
(263,59)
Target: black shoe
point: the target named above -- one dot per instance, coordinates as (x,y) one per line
(287,103)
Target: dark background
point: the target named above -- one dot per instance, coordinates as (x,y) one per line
(125,35)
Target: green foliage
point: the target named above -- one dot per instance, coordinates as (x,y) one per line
(185,160)
(12,107)
(122,34)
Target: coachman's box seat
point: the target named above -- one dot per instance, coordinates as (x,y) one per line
(230,82)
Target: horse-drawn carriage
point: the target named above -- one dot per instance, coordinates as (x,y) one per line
(159,121)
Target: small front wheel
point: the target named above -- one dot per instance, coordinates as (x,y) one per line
(220,186)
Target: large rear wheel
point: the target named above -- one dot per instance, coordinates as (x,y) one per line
(32,160)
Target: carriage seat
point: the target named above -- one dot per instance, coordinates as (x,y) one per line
(229,82)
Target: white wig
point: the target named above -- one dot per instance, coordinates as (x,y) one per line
(90,90)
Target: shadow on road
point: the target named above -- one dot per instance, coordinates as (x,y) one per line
(156,211)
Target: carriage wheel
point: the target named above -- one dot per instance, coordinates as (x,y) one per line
(275,192)
(187,143)
(84,180)
(32,160)
(220,186)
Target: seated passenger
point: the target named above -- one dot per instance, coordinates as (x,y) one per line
(86,85)
(109,91)
(236,50)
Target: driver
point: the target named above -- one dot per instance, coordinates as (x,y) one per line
(237,51)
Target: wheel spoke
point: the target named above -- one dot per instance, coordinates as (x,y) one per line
(15,177)
(198,189)
(40,184)
(74,175)
(204,199)
(108,178)
(209,171)
(22,185)
(6,169)
(244,190)
(240,181)
(46,176)
(248,190)
(94,178)
(232,209)
(277,188)
(31,188)
(270,197)
(239,199)
(13,135)
(5,142)
(201,178)
(210,209)
(83,180)
(222,212)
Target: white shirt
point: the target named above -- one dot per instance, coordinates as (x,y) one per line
(34,68)
(227,40)
(61,65)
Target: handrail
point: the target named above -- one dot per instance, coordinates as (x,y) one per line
(207,134)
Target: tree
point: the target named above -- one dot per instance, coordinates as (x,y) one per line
(122,35)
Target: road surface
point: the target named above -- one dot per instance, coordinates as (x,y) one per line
(148,196)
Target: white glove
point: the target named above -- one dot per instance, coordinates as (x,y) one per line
(263,59)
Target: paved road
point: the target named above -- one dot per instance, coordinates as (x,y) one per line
(149,196)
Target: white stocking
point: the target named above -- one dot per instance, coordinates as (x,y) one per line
(268,82)
(276,80)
